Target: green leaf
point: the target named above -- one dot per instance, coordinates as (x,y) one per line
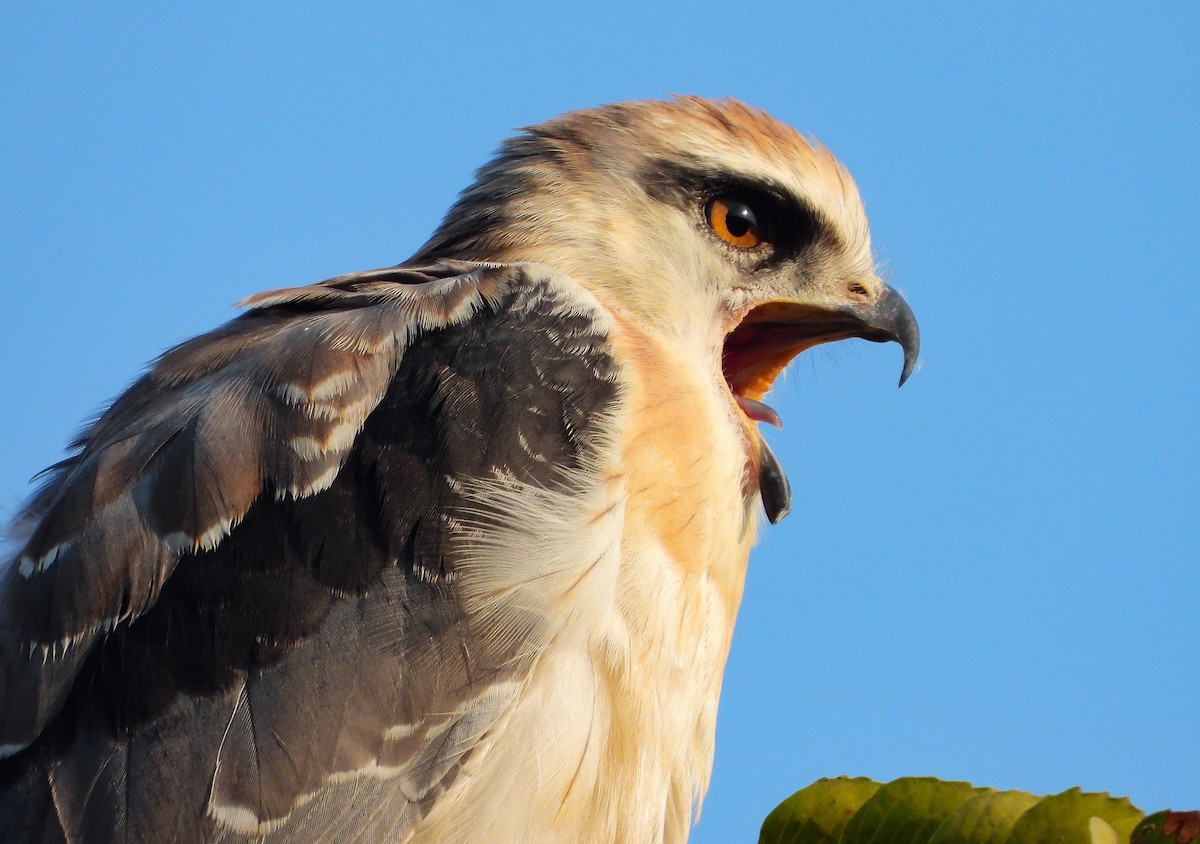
(817,814)
(925,810)
(907,811)
(986,818)
(1068,818)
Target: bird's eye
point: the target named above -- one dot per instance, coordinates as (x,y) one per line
(735,222)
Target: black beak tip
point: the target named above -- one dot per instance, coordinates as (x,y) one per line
(910,363)
(773,486)
(892,316)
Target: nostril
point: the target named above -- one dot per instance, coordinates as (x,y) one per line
(858,290)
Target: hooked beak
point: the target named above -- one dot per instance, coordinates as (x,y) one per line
(891,319)
(771,334)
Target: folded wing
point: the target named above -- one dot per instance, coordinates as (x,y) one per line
(247,585)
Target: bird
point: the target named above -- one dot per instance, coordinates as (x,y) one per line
(449,551)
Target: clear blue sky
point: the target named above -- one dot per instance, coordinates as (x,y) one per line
(989,575)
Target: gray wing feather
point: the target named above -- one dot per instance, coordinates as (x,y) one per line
(241,590)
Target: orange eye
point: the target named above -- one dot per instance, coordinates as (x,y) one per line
(734,222)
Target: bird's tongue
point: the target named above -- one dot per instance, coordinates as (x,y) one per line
(752,358)
(751,367)
(759,411)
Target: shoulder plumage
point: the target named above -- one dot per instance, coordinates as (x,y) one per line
(261,537)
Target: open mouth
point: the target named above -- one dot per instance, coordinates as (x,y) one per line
(772,334)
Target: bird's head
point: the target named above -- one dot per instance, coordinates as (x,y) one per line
(710,221)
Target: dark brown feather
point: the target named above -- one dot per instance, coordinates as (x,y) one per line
(255,590)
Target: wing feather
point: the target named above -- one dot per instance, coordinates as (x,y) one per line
(245,586)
